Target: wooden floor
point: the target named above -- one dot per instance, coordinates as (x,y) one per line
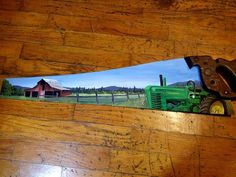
(69,140)
(47,37)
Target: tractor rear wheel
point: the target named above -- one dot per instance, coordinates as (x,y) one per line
(213,105)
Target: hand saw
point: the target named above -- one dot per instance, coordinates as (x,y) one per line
(218,85)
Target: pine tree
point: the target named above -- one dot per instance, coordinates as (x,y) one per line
(134,90)
(7,88)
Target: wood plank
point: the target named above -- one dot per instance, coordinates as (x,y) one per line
(230,23)
(31,34)
(199,20)
(51,153)
(129,175)
(155,14)
(130,162)
(157,48)
(64,131)
(154,119)
(218,168)
(22,18)
(12,168)
(208,37)
(51,111)
(191,48)
(9,67)
(11,4)
(75,55)
(10,49)
(88,157)
(75,172)
(192,124)
(183,151)
(141,163)
(185,167)
(184,5)
(154,164)
(101,25)
(80,8)
(119,116)
(2,62)
(132,8)
(9,52)
(176,145)
(6,149)
(45,68)
(221,149)
(95,56)
(217,51)
(84,157)
(58,54)
(60,154)
(225,127)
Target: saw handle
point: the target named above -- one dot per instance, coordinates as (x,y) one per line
(217,75)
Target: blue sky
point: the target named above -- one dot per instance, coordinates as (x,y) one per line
(139,76)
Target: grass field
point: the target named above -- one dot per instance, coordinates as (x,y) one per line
(103,99)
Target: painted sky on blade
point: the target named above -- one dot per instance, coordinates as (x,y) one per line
(139,76)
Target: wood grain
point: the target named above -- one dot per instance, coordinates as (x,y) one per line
(75,172)
(44,68)
(60,154)
(73,55)
(115,150)
(20,18)
(30,34)
(140,33)
(12,168)
(29,109)
(64,131)
(52,37)
(167,121)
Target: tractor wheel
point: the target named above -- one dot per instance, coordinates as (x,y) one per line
(213,105)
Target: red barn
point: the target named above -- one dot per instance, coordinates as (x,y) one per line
(47,87)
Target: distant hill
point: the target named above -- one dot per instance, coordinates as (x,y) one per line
(20,87)
(198,84)
(113,88)
(116,88)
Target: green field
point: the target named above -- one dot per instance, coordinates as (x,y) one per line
(103,99)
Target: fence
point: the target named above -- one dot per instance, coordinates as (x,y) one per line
(96,98)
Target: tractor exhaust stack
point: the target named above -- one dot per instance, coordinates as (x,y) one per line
(161,80)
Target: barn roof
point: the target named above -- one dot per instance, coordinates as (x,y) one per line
(55,84)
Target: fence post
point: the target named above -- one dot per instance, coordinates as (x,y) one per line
(127,94)
(96,93)
(77,95)
(112,98)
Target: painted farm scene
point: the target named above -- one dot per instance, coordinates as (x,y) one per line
(166,85)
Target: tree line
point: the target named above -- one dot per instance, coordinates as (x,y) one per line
(10,90)
(112,89)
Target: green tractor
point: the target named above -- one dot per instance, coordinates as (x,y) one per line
(183,99)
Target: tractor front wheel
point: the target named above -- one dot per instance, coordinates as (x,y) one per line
(212,105)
